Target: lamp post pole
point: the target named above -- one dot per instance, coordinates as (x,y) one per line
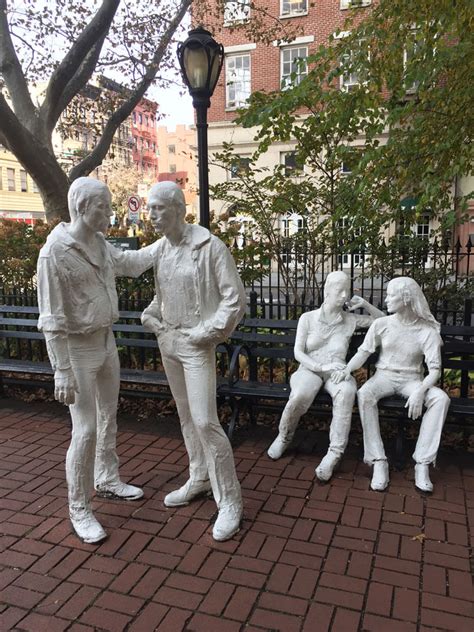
(203,163)
(200,58)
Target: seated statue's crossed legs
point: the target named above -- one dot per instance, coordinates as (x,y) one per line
(305,385)
(343,396)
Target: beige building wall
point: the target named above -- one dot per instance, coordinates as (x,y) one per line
(177,155)
(19,197)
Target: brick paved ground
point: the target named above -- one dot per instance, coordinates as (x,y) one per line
(308,558)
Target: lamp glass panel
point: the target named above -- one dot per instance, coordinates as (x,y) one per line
(215,67)
(196,66)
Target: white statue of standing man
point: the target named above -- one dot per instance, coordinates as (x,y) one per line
(405,339)
(199,301)
(78,304)
(321,345)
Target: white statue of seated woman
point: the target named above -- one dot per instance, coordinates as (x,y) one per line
(322,340)
(404,339)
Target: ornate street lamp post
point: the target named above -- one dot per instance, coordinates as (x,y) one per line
(200,58)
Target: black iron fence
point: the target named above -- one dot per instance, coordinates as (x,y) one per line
(293,282)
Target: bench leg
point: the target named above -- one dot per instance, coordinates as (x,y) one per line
(400,444)
(235,405)
(2,388)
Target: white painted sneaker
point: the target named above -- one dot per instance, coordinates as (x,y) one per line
(422,477)
(86,526)
(325,469)
(186,493)
(119,490)
(278,447)
(227,523)
(380,478)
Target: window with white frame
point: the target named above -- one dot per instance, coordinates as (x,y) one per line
(23,181)
(293,62)
(11,179)
(422,227)
(293,166)
(354,4)
(350,160)
(349,78)
(236,11)
(409,53)
(237,68)
(354,259)
(293,7)
(240,167)
(285,226)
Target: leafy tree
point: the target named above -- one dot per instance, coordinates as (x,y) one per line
(62,43)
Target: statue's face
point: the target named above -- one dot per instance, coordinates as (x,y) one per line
(393,300)
(336,293)
(98,211)
(164,215)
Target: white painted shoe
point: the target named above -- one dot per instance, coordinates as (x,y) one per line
(86,526)
(278,447)
(325,469)
(380,477)
(227,523)
(422,478)
(119,490)
(186,493)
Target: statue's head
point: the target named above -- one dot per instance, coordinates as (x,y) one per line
(337,288)
(405,293)
(166,205)
(90,199)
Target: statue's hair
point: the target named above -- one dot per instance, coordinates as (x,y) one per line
(336,275)
(80,193)
(412,294)
(172,192)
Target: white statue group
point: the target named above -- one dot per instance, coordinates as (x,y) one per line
(199,300)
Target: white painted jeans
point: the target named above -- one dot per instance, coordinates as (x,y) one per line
(191,373)
(92,453)
(386,383)
(305,385)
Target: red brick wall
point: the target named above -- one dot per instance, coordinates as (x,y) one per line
(323,18)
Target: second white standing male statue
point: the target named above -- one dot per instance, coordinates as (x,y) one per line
(199,301)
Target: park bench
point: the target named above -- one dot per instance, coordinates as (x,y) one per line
(263,358)
(25,353)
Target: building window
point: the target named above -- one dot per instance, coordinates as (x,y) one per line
(171,149)
(237,80)
(285,226)
(293,165)
(140,118)
(236,11)
(11,179)
(172,168)
(294,7)
(349,77)
(354,4)
(350,160)
(422,227)
(293,62)
(23,181)
(35,187)
(409,55)
(240,167)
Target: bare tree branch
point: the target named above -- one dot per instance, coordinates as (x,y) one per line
(11,70)
(77,66)
(94,159)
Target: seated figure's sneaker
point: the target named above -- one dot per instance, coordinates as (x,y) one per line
(86,526)
(380,478)
(422,478)
(186,493)
(227,523)
(325,469)
(119,490)
(278,447)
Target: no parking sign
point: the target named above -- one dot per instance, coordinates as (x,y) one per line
(134,204)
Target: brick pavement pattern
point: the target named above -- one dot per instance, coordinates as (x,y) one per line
(309,557)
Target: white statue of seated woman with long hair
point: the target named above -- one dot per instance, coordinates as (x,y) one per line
(405,339)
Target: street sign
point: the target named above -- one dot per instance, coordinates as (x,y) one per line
(134,204)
